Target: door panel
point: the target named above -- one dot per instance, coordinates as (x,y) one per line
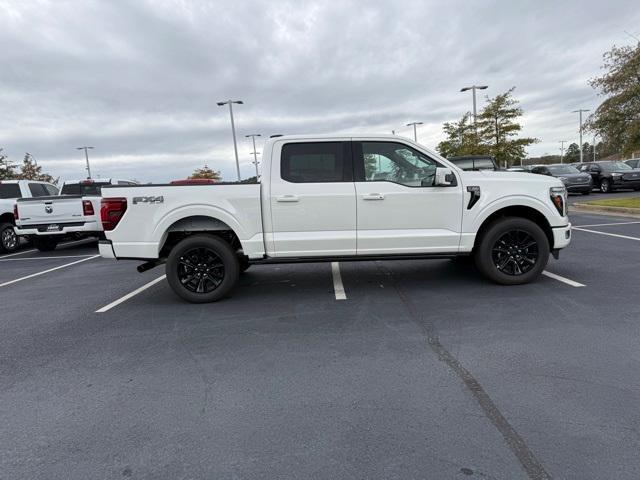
(312,215)
(397,218)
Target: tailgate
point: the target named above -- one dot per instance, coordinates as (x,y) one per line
(44,210)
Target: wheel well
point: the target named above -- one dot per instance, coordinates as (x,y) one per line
(187,226)
(7,218)
(517,211)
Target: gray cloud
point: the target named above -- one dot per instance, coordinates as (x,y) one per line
(140,80)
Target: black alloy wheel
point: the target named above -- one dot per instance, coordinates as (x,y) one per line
(515,252)
(200,270)
(605,186)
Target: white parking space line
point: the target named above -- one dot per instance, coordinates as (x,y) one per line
(338,288)
(18,253)
(129,295)
(42,258)
(568,281)
(10,282)
(605,224)
(606,233)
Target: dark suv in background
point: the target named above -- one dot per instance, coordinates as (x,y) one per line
(633,163)
(610,176)
(573,179)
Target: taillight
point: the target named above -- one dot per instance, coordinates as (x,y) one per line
(15,211)
(87,208)
(111,211)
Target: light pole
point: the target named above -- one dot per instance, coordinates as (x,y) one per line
(233,129)
(473,88)
(562,142)
(594,148)
(579,111)
(415,132)
(86,157)
(255,154)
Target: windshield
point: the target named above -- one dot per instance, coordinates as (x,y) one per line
(562,169)
(610,167)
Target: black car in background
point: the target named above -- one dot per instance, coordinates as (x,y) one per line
(610,176)
(573,179)
(474,162)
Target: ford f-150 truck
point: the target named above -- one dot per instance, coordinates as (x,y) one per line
(10,191)
(74,213)
(335,198)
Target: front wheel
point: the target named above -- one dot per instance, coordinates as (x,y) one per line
(45,244)
(202,269)
(512,251)
(9,241)
(605,186)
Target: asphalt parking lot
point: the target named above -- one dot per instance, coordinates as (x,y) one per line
(396,369)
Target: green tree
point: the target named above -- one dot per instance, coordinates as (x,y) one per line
(617,119)
(30,170)
(461,139)
(205,172)
(7,169)
(498,129)
(572,153)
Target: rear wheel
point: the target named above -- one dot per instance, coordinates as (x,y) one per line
(512,251)
(45,244)
(8,239)
(202,269)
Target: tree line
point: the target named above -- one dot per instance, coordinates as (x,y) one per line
(27,170)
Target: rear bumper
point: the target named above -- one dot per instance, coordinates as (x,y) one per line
(106,249)
(561,236)
(62,229)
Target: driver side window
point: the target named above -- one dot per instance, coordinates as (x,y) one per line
(397,163)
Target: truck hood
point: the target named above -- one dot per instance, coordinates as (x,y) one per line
(510,177)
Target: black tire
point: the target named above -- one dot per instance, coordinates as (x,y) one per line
(45,244)
(9,241)
(605,186)
(514,243)
(202,269)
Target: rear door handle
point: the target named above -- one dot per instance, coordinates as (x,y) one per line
(287,198)
(373,196)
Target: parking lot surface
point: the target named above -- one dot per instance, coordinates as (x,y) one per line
(422,369)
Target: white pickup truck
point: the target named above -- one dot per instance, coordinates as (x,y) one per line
(74,213)
(334,198)
(10,191)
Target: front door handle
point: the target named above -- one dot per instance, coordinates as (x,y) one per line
(373,196)
(287,198)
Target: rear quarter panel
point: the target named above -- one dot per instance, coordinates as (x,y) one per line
(142,230)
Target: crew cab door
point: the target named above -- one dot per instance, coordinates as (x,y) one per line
(312,199)
(400,210)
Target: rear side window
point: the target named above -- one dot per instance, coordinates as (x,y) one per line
(9,190)
(51,189)
(463,163)
(316,162)
(38,190)
(91,189)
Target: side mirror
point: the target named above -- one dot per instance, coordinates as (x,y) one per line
(444,177)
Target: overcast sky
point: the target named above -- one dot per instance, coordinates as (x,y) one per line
(139,80)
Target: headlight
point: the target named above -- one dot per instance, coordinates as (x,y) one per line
(563,179)
(558,197)
(616,175)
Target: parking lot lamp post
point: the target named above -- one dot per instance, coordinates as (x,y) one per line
(255,153)
(562,142)
(473,88)
(415,132)
(233,130)
(86,157)
(579,111)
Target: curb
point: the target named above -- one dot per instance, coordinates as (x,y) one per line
(621,211)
